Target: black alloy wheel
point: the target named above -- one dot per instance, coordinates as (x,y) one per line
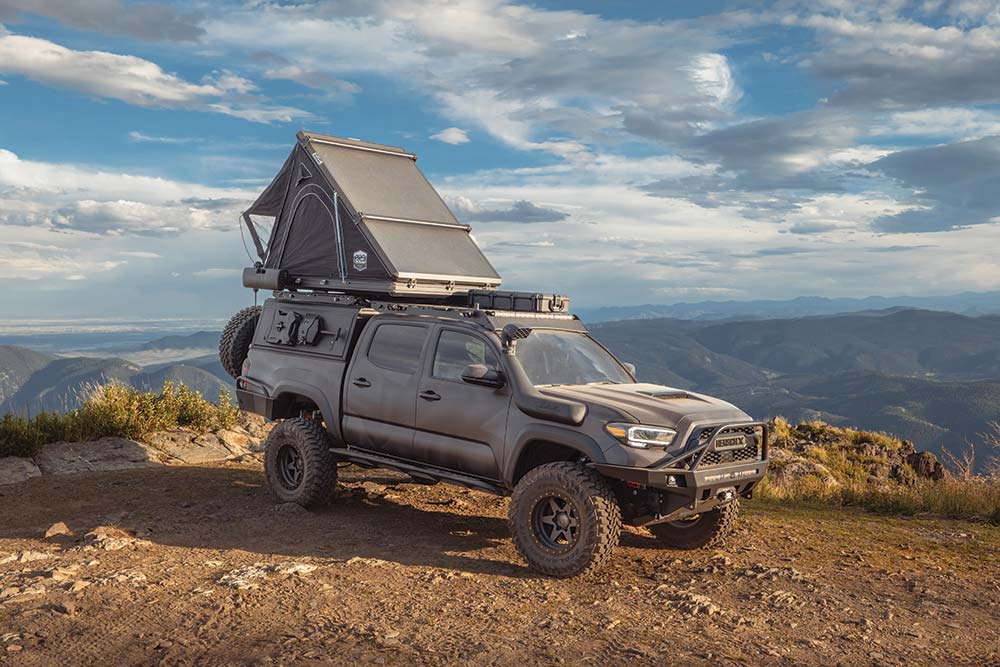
(290,471)
(556,522)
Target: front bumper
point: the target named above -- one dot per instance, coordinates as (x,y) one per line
(687,483)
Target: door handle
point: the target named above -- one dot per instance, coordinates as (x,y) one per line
(362,382)
(430,395)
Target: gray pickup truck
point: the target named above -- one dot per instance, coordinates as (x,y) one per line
(518,403)
(366,357)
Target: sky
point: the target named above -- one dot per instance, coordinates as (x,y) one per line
(623,153)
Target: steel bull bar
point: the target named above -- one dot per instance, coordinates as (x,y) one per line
(686,483)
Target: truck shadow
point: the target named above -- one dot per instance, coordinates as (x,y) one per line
(229,508)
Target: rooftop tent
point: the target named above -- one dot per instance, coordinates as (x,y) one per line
(355,216)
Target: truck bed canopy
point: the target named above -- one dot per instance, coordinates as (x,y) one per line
(355,216)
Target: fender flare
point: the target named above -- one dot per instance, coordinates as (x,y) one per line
(314,394)
(558,436)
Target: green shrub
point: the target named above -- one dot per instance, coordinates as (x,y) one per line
(117,410)
(19,436)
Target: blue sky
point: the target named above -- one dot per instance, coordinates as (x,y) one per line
(628,152)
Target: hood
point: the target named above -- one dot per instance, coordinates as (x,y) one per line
(650,404)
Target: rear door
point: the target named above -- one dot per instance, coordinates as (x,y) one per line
(460,426)
(381,387)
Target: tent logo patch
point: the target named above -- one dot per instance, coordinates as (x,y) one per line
(360,260)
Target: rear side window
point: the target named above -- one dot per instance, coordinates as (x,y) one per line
(397,347)
(457,350)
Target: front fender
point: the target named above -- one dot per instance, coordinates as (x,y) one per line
(558,436)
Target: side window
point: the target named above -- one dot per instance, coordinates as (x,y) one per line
(397,347)
(457,350)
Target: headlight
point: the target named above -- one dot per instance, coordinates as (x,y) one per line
(641,437)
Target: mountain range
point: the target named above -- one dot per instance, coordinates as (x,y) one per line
(966,303)
(927,376)
(32,382)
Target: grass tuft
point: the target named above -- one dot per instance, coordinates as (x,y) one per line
(115,410)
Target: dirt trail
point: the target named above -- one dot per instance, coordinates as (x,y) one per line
(207,570)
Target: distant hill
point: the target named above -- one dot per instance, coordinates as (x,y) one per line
(968,303)
(673,357)
(17,364)
(198,340)
(929,377)
(36,382)
(900,342)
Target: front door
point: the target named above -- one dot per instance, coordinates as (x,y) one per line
(380,400)
(460,426)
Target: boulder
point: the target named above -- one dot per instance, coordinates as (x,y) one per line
(186,446)
(237,443)
(926,465)
(796,468)
(14,469)
(903,474)
(63,458)
(57,529)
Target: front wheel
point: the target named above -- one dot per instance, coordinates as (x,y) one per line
(564,519)
(298,464)
(708,529)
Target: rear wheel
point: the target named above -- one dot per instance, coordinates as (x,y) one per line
(298,464)
(564,519)
(236,338)
(708,529)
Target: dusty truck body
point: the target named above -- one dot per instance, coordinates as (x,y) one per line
(437,374)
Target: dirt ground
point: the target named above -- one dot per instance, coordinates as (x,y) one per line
(201,567)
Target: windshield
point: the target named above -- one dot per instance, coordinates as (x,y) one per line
(564,357)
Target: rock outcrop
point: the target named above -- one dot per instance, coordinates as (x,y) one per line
(834,455)
(180,446)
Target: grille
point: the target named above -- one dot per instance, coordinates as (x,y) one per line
(714,458)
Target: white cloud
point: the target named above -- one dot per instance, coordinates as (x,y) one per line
(940,122)
(139,138)
(133,80)
(145,20)
(91,199)
(217,273)
(452,135)
(140,254)
(490,64)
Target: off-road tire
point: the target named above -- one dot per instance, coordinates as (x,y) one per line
(710,529)
(307,440)
(598,518)
(236,338)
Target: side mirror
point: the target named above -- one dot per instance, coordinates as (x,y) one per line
(484,377)
(629,367)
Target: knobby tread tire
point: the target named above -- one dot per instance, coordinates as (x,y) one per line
(234,345)
(712,530)
(600,519)
(319,481)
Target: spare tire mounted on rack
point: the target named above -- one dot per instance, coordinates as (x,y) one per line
(236,338)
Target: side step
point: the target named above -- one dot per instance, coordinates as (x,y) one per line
(419,473)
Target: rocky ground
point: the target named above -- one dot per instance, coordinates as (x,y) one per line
(198,565)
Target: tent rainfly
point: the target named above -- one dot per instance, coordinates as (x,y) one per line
(352,216)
